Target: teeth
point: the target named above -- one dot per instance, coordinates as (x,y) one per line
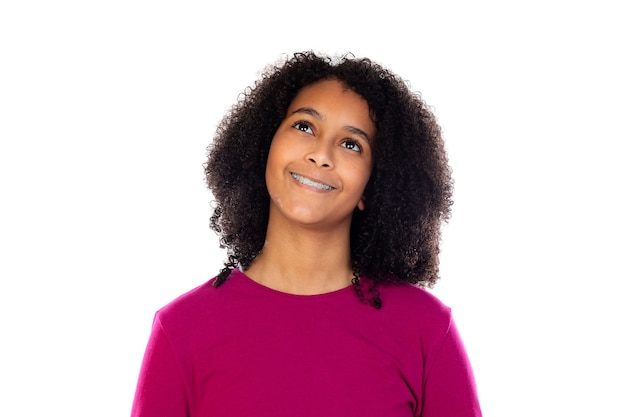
(307,181)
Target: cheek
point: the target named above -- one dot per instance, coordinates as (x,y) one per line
(282,152)
(363,174)
(275,165)
(271,156)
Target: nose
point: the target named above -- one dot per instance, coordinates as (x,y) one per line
(320,154)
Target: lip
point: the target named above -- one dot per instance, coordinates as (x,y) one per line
(311,182)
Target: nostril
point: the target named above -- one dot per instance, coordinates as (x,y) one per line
(320,164)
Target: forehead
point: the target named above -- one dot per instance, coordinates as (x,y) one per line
(327,88)
(333,100)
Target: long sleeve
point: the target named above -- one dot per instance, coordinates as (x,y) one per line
(161,391)
(450,389)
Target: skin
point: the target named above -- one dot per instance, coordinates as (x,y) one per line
(319,163)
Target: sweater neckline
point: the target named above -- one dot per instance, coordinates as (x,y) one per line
(238,274)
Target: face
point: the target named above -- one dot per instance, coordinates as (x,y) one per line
(320,159)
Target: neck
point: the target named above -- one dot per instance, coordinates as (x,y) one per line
(304,260)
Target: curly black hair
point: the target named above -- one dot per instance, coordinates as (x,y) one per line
(409,194)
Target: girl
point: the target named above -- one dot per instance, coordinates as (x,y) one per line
(331,183)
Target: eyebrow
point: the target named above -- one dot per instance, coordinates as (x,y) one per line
(314,113)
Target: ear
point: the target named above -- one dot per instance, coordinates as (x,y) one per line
(361,204)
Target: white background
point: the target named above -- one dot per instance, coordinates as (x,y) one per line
(106,110)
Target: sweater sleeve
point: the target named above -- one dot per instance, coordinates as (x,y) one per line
(450,389)
(160,389)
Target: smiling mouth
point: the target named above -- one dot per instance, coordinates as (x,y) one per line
(311,183)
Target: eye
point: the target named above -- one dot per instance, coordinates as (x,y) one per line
(303,126)
(352,145)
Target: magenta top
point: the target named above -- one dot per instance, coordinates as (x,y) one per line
(247,350)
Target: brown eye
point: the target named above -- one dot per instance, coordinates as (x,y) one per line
(303,127)
(351,145)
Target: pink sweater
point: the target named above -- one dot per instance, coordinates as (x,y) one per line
(246,350)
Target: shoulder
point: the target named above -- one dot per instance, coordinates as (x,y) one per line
(412,298)
(188,311)
(205,306)
(189,301)
(413,307)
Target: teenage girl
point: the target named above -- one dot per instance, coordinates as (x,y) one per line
(331,183)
